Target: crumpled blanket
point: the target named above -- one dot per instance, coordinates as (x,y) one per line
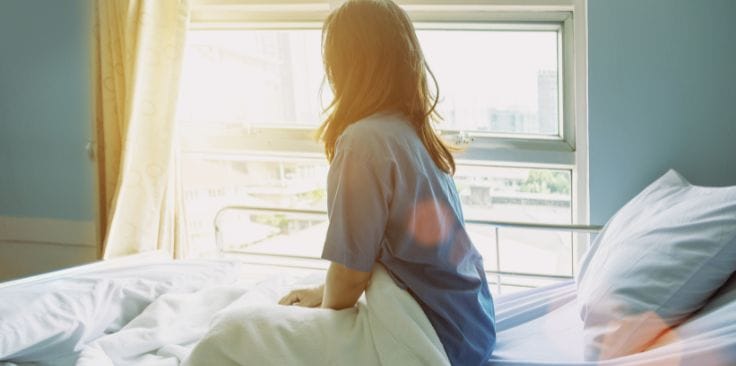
(230,325)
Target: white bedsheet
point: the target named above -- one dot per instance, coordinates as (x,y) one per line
(542,327)
(539,326)
(172,305)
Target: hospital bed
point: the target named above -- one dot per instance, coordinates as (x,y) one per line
(59,317)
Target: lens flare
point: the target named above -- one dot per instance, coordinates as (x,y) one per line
(430,223)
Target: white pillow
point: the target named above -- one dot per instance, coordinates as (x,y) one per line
(656,261)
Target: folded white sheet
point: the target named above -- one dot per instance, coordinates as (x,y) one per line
(388,328)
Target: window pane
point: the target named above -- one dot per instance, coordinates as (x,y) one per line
(536,251)
(518,195)
(529,251)
(212,182)
(283,234)
(495,81)
(515,194)
(490,81)
(241,77)
(488,193)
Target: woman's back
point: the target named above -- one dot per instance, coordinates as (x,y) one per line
(390,203)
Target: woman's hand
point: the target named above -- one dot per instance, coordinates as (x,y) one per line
(307,297)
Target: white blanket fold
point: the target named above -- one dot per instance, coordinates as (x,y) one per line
(388,328)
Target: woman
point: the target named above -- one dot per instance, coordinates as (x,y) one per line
(391,197)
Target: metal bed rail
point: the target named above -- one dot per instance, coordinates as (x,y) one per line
(307,262)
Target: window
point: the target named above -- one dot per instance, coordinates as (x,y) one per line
(252,92)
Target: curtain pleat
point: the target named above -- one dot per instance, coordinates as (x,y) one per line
(139,46)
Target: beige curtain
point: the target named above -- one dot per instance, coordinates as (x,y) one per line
(138,53)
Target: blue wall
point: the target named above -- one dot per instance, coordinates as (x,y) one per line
(662,94)
(45,110)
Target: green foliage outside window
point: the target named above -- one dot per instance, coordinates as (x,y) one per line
(546,181)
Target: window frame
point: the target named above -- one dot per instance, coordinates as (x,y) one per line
(569,150)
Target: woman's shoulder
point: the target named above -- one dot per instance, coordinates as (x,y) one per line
(374,136)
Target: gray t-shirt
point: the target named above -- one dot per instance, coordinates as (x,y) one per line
(388,202)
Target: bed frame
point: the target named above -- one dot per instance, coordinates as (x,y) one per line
(311,263)
(305,262)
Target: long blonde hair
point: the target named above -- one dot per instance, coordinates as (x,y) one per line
(374,63)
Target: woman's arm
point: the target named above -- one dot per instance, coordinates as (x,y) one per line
(342,289)
(343,286)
